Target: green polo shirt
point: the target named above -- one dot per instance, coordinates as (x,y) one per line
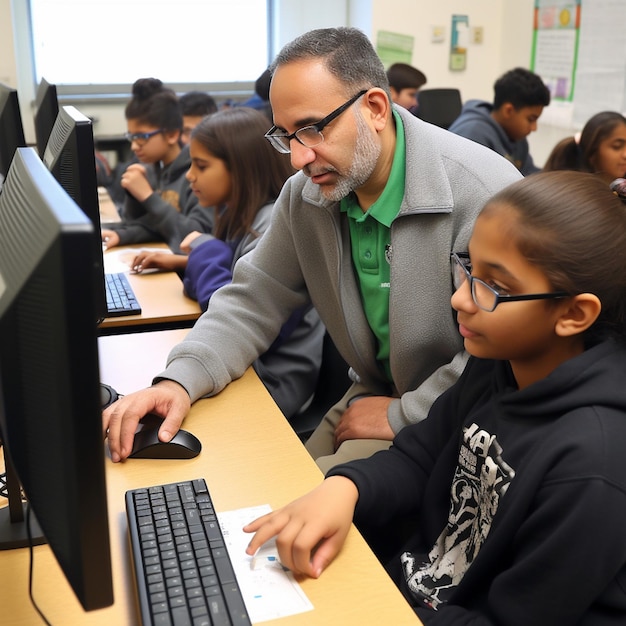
(370,236)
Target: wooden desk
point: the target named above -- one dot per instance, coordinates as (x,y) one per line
(250,456)
(108,210)
(163,303)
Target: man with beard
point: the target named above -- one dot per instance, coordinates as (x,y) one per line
(364,233)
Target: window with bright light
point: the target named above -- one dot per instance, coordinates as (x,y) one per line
(82,42)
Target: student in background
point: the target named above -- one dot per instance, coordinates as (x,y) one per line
(234,169)
(363,233)
(159,204)
(600,148)
(516,481)
(519,99)
(260,100)
(194,105)
(404,83)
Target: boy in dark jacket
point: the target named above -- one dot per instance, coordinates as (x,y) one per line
(519,99)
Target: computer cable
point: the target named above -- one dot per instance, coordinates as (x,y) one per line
(31,568)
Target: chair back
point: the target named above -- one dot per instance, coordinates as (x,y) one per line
(333,382)
(439,106)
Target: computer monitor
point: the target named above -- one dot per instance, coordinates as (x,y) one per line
(46,111)
(70,156)
(50,401)
(11,129)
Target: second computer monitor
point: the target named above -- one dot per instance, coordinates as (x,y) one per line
(70,156)
(46,111)
(11,129)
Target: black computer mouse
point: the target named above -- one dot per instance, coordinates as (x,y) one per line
(108,395)
(147,445)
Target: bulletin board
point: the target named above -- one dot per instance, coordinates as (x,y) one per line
(579,50)
(556,36)
(394,48)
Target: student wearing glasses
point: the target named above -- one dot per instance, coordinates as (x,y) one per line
(159,204)
(364,232)
(512,493)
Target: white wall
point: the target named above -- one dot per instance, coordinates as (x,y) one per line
(8,72)
(507,39)
(419,18)
(507,27)
(294,17)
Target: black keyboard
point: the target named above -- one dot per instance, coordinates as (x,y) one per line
(121,299)
(183,572)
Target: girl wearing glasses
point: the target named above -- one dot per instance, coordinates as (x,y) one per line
(237,174)
(159,204)
(512,492)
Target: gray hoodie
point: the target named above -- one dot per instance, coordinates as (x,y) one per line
(476,123)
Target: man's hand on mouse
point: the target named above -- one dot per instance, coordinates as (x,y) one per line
(166,399)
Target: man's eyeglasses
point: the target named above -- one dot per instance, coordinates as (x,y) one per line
(142,138)
(484,296)
(308,136)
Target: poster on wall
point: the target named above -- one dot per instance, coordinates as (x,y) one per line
(579,50)
(459,38)
(394,47)
(601,67)
(555,45)
(555,53)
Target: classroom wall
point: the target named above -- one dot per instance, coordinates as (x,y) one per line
(507,29)
(506,43)
(8,72)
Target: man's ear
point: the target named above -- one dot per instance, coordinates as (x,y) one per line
(579,314)
(378,104)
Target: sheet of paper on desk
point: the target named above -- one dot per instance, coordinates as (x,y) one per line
(269,590)
(117,261)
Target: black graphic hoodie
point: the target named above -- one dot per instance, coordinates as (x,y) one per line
(519,497)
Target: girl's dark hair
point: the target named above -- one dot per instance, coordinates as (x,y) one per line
(258,171)
(569,154)
(154,104)
(573,227)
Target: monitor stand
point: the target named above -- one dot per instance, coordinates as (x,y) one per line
(13,522)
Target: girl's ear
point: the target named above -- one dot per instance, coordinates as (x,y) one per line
(582,311)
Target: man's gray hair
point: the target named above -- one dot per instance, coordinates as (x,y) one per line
(346,52)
